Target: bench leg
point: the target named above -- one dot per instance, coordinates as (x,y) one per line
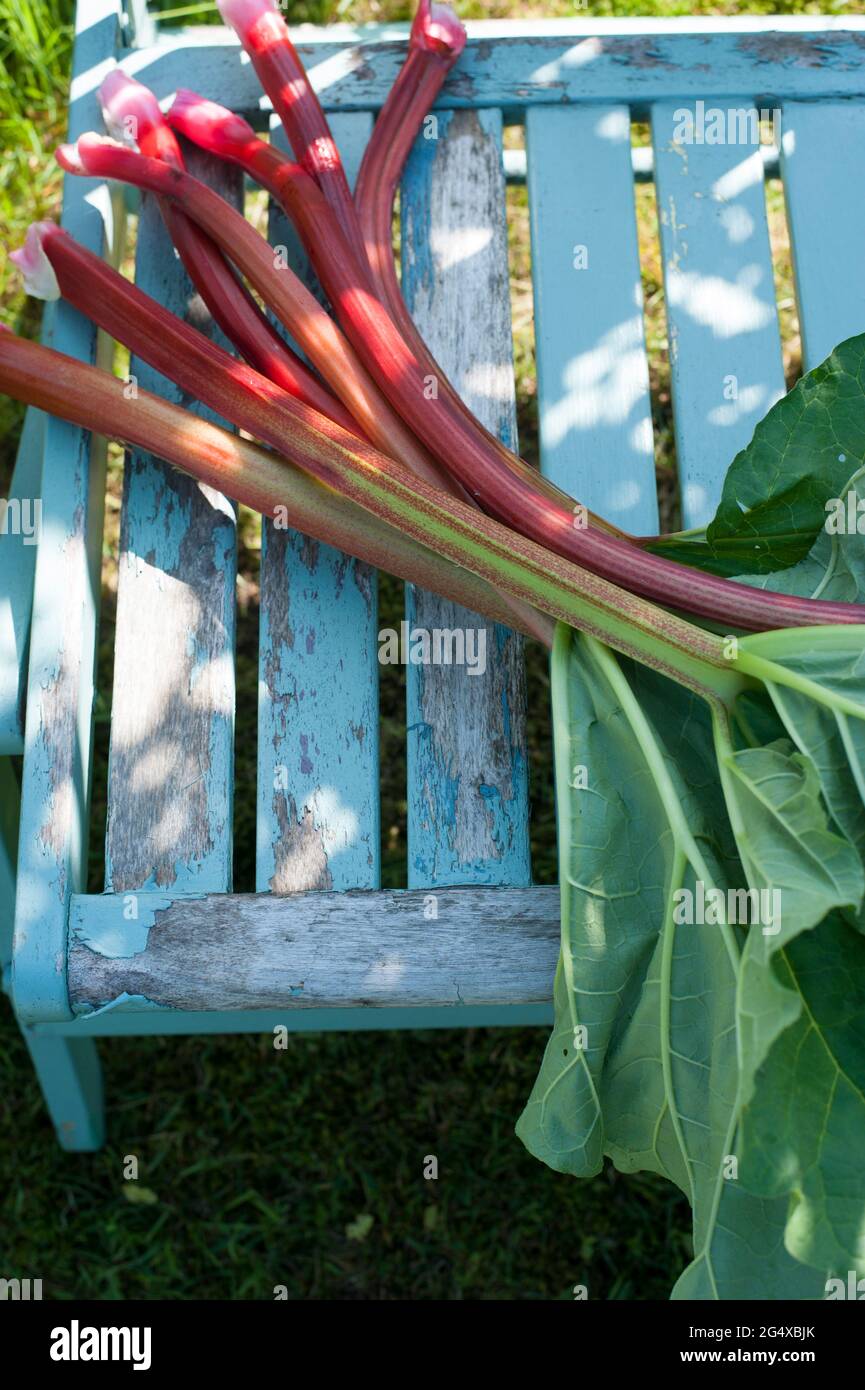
(68,1069)
(70,1075)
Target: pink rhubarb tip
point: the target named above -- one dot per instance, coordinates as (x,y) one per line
(68,158)
(32,260)
(437,29)
(129,109)
(207,123)
(76,159)
(243,15)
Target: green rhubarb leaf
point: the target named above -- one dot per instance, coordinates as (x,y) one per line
(805,451)
(633,830)
(642,1064)
(792,856)
(801,991)
(803,1134)
(747,1257)
(802,869)
(835,745)
(834,570)
(815,680)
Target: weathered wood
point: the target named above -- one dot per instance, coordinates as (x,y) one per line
(10,807)
(823,168)
(60,687)
(318,806)
(725,345)
(467,764)
(593,375)
(512,65)
(19,536)
(314,950)
(172,728)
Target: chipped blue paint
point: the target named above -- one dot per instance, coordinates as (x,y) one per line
(118,925)
(123,1004)
(518,64)
(17,566)
(318,804)
(445,824)
(161,512)
(60,692)
(806,62)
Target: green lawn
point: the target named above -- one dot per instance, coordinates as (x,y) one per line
(305,1167)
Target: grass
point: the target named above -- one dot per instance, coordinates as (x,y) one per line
(305,1168)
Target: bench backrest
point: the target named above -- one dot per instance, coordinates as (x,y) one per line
(576,86)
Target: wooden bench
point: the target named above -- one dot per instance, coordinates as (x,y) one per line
(167,947)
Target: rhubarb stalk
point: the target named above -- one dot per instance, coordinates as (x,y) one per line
(300,312)
(132,115)
(94,399)
(57,264)
(362,315)
(454,530)
(436,41)
(511,498)
(264,35)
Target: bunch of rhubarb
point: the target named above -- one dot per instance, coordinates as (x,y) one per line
(720,764)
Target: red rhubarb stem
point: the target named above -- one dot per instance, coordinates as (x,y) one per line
(362,315)
(310,325)
(428,516)
(200,367)
(264,35)
(514,498)
(437,39)
(94,399)
(133,115)
(203,369)
(435,43)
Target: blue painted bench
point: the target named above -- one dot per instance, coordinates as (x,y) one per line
(168,947)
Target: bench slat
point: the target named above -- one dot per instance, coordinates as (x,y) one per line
(467,765)
(52,861)
(721,311)
(318,802)
(316,950)
(823,168)
(514,65)
(171,760)
(17,568)
(593,376)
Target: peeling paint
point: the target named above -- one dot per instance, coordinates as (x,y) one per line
(796,50)
(639,52)
(171,755)
(300,860)
(122,1004)
(467,789)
